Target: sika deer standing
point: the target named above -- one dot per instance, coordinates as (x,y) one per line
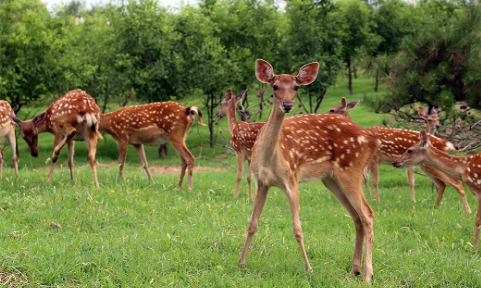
(7,130)
(154,123)
(75,116)
(243,136)
(463,168)
(330,148)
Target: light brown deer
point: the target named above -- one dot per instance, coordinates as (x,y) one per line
(343,107)
(7,130)
(75,116)
(396,141)
(243,136)
(154,123)
(330,148)
(464,168)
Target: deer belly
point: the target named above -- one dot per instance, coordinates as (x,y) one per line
(151,139)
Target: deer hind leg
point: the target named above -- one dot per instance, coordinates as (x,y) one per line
(259,202)
(70,150)
(341,197)
(458,185)
(12,140)
(365,174)
(249,178)
(143,160)
(122,145)
(92,146)
(240,169)
(292,193)
(410,172)
(187,160)
(374,167)
(477,228)
(57,141)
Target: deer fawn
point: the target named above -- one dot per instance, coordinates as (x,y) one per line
(74,116)
(330,148)
(243,136)
(154,123)
(7,130)
(342,109)
(465,168)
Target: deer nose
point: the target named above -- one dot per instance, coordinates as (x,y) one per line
(35,154)
(288,106)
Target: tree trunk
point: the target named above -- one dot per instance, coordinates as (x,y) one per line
(355,71)
(376,85)
(310,99)
(319,99)
(349,75)
(104,106)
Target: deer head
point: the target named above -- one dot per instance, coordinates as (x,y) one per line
(414,155)
(284,85)
(432,120)
(224,105)
(343,107)
(30,131)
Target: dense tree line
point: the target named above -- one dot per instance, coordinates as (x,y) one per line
(139,50)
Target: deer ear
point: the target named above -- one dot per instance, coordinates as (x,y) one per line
(343,102)
(38,118)
(422,113)
(307,74)
(433,111)
(353,104)
(264,71)
(228,95)
(15,119)
(240,96)
(424,138)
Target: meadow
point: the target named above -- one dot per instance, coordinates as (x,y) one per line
(132,233)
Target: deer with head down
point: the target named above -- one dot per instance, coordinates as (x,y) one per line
(75,116)
(463,168)
(152,124)
(330,148)
(7,130)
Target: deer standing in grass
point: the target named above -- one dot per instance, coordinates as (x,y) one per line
(7,130)
(330,148)
(74,116)
(153,124)
(243,136)
(464,168)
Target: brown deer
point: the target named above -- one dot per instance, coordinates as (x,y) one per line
(154,123)
(75,116)
(330,148)
(396,141)
(7,130)
(243,136)
(343,107)
(464,168)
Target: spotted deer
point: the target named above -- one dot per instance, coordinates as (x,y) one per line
(396,141)
(153,124)
(243,136)
(75,116)
(330,148)
(7,130)
(464,168)
(343,107)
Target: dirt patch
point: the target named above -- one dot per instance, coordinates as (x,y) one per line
(176,169)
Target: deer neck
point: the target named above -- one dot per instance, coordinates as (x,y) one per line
(268,140)
(428,129)
(104,125)
(452,165)
(231,117)
(42,126)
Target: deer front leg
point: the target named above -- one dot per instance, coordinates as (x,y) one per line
(12,140)
(56,141)
(240,169)
(143,160)
(70,152)
(249,178)
(259,202)
(122,145)
(92,146)
(410,172)
(375,179)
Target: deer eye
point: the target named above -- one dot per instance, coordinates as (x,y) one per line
(295,88)
(410,151)
(332,111)
(275,87)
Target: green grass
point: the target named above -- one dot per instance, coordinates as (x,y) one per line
(130,233)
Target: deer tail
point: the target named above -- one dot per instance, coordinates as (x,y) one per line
(193,110)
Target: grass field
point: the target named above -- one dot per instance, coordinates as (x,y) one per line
(130,233)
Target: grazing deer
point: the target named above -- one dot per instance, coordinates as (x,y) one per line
(396,141)
(342,109)
(464,168)
(154,123)
(330,148)
(7,130)
(243,136)
(75,116)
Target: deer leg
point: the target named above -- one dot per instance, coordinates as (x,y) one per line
(187,160)
(249,178)
(240,168)
(140,151)
(122,154)
(70,150)
(12,140)
(410,172)
(441,187)
(366,179)
(57,140)
(375,179)
(357,258)
(477,192)
(69,134)
(458,185)
(259,202)
(292,194)
(92,146)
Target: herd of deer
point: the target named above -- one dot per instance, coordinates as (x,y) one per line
(281,152)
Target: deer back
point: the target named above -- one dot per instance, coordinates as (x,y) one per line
(6,123)
(244,135)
